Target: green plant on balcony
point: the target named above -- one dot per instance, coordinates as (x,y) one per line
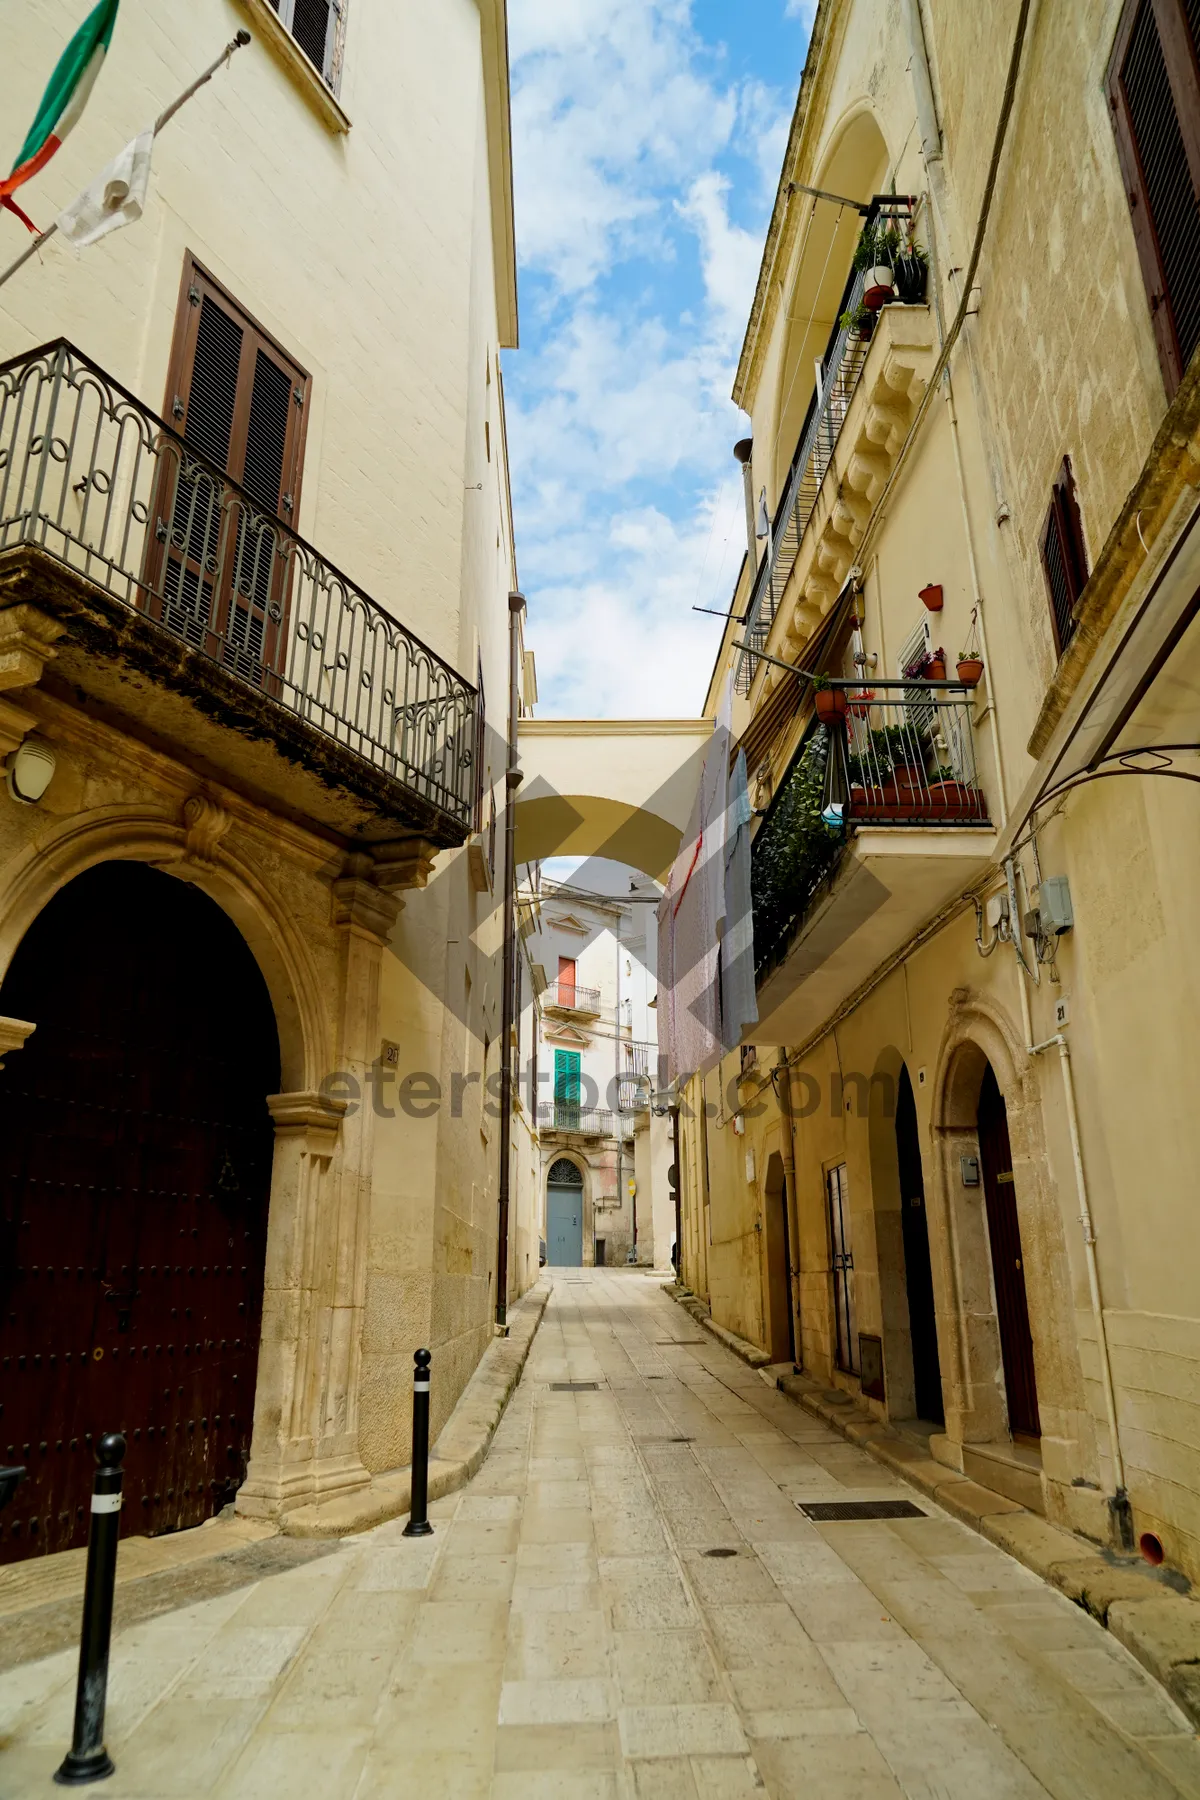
(891,747)
(793,852)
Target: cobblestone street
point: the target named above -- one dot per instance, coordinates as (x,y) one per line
(627,1601)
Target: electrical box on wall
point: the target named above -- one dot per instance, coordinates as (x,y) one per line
(970,1170)
(1055,912)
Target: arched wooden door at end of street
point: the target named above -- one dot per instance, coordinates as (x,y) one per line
(135,1169)
(564,1215)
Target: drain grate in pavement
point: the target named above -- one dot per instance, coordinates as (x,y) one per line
(825,1511)
(574,1387)
(721,1550)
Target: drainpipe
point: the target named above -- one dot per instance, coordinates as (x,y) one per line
(927,121)
(1118,1505)
(512,781)
(784,1091)
(743,450)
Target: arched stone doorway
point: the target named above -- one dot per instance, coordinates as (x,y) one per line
(918,1272)
(135,1167)
(564,1214)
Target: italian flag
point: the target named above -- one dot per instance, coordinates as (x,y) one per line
(64,99)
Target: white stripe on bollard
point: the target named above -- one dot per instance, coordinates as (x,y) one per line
(106,1503)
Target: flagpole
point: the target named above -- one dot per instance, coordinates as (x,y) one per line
(236,43)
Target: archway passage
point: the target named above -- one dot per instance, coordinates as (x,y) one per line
(918,1275)
(135,1167)
(1008,1264)
(564,1215)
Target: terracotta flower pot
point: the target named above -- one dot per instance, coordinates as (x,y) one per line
(936,670)
(830,704)
(969,669)
(932,596)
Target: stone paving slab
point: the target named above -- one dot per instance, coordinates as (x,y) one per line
(1160,1626)
(543,1645)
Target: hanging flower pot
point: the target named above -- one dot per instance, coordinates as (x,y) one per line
(932,596)
(969,670)
(830,704)
(879,286)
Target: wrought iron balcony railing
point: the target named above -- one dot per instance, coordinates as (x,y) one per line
(97,481)
(564,1115)
(895,753)
(570,997)
(841,367)
(638,1058)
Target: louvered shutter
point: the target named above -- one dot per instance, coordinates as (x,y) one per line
(1154,96)
(239,403)
(313,24)
(1064,556)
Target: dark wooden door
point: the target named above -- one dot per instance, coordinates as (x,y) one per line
(135,1162)
(1008,1264)
(780,1327)
(918,1273)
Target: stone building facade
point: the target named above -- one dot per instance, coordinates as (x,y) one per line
(951,1177)
(255,553)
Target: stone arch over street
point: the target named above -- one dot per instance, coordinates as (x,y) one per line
(622,789)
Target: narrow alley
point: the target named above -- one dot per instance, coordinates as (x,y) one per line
(628,1600)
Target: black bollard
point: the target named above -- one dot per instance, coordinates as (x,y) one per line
(418,1516)
(87,1759)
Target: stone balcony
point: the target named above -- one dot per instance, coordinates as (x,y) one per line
(139,583)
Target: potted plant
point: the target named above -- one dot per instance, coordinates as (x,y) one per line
(875,258)
(969,666)
(858,320)
(830,702)
(933,596)
(911,269)
(935,665)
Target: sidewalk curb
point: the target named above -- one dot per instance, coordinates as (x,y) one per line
(691,1303)
(1157,1624)
(459,1450)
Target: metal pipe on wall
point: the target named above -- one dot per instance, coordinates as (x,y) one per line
(512,781)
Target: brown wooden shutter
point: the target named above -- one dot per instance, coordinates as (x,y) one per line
(241,404)
(1154,95)
(1064,556)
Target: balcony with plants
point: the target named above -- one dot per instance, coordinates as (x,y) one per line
(871,379)
(205,623)
(879,821)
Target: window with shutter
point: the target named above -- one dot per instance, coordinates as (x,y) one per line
(315,25)
(1154,96)
(240,404)
(1064,556)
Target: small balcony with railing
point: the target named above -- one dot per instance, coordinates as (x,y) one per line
(566,1118)
(570,998)
(879,822)
(869,382)
(210,626)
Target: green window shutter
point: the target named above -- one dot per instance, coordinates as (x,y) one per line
(566,1077)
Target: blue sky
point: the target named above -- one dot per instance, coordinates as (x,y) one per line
(648,136)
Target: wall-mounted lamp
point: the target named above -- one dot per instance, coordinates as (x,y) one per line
(30,771)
